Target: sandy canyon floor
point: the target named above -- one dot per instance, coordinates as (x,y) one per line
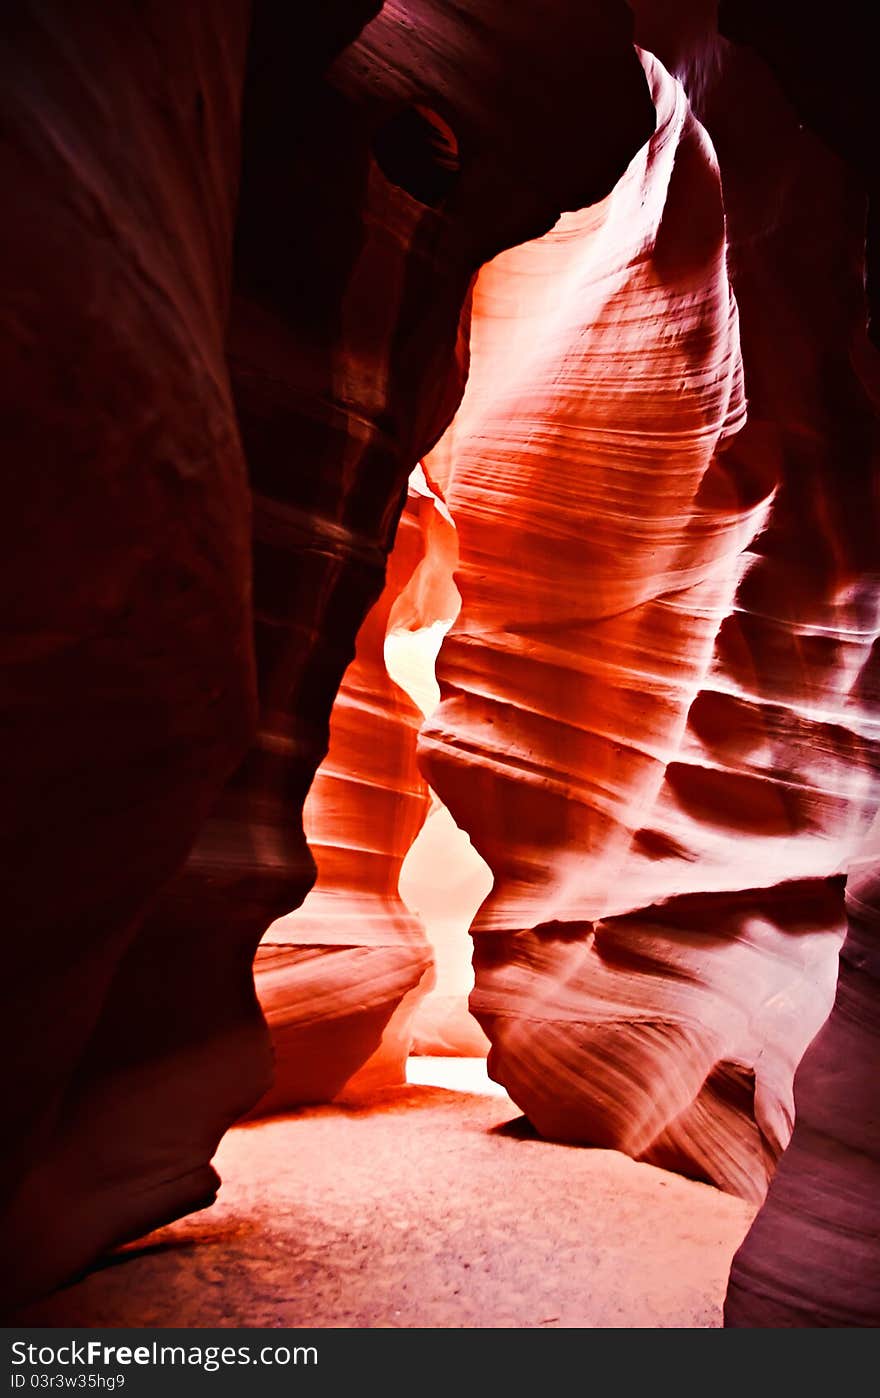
(424,1206)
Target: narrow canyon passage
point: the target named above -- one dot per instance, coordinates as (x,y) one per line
(440,685)
(376,964)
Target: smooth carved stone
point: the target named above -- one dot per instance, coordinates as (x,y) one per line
(331,975)
(128,690)
(656,722)
(801,270)
(349,984)
(810,1258)
(137,613)
(442,880)
(348,351)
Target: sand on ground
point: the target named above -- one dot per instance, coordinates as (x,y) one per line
(422,1207)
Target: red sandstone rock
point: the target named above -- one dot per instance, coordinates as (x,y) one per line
(367,201)
(128,688)
(811,1256)
(657,718)
(825,65)
(332,974)
(442,880)
(438,136)
(796,223)
(347,983)
(653,725)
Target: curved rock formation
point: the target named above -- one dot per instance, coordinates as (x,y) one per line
(797,225)
(128,690)
(134,623)
(350,984)
(810,1258)
(331,975)
(238,299)
(356,372)
(442,879)
(653,725)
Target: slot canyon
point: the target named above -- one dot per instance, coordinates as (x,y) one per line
(441,664)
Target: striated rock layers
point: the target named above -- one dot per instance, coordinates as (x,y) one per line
(656,720)
(811,1258)
(802,267)
(376,963)
(142,353)
(127,689)
(332,975)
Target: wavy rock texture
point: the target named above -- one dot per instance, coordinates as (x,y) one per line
(810,1258)
(358,230)
(796,223)
(345,373)
(442,880)
(347,970)
(653,723)
(128,689)
(369,969)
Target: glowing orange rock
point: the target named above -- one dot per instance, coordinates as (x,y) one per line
(331,975)
(220,244)
(790,105)
(666,804)
(343,980)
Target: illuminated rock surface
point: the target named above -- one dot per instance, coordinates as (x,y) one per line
(796,222)
(362,975)
(443,879)
(331,975)
(656,725)
(238,301)
(138,621)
